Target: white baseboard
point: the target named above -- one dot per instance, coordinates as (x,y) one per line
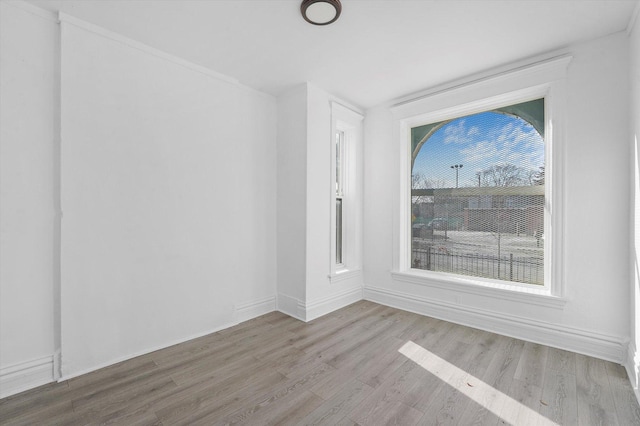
(248,310)
(291,306)
(26,375)
(632,365)
(607,347)
(298,309)
(325,305)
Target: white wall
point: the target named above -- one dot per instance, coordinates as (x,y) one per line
(168,189)
(595,318)
(304,200)
(29,224)
(633,361)
(168,192)
(597,186)
(318,193)
(291,204)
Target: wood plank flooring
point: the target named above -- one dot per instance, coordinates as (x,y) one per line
(365,364)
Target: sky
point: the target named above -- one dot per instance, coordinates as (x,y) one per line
(477,142)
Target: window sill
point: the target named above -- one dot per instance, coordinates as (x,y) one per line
(514,293)
(344,274)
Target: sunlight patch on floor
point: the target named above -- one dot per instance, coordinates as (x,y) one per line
(499,403)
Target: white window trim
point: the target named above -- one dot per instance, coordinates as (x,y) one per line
(543,79)
(350,123)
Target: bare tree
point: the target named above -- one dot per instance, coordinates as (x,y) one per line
(531,177)
(506,175)
(420,181)
(538,177)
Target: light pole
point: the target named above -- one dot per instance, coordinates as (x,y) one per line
(457,167)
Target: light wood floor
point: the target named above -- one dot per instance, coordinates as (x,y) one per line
(365,364)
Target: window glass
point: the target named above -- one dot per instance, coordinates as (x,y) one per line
(339,194)
(478,194)
(339,163)
(339,231)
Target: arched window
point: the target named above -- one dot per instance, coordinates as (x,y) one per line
(478,194)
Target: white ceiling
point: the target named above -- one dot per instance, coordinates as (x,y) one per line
(375,52)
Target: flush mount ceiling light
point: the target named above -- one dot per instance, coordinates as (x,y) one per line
(320,12)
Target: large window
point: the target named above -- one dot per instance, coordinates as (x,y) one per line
(479,205)
(478,194)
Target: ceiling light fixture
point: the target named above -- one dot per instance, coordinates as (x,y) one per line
(320,12)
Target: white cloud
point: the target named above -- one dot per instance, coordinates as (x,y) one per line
(515,143)
(480,152)
(458,133)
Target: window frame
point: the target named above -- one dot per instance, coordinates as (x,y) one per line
(349,123)
(545,79)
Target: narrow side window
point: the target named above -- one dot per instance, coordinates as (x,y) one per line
(340,186)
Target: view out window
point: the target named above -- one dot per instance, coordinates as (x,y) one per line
(478,194)
(340,172)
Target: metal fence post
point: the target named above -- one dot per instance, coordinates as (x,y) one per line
(428,258)
(510,266)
